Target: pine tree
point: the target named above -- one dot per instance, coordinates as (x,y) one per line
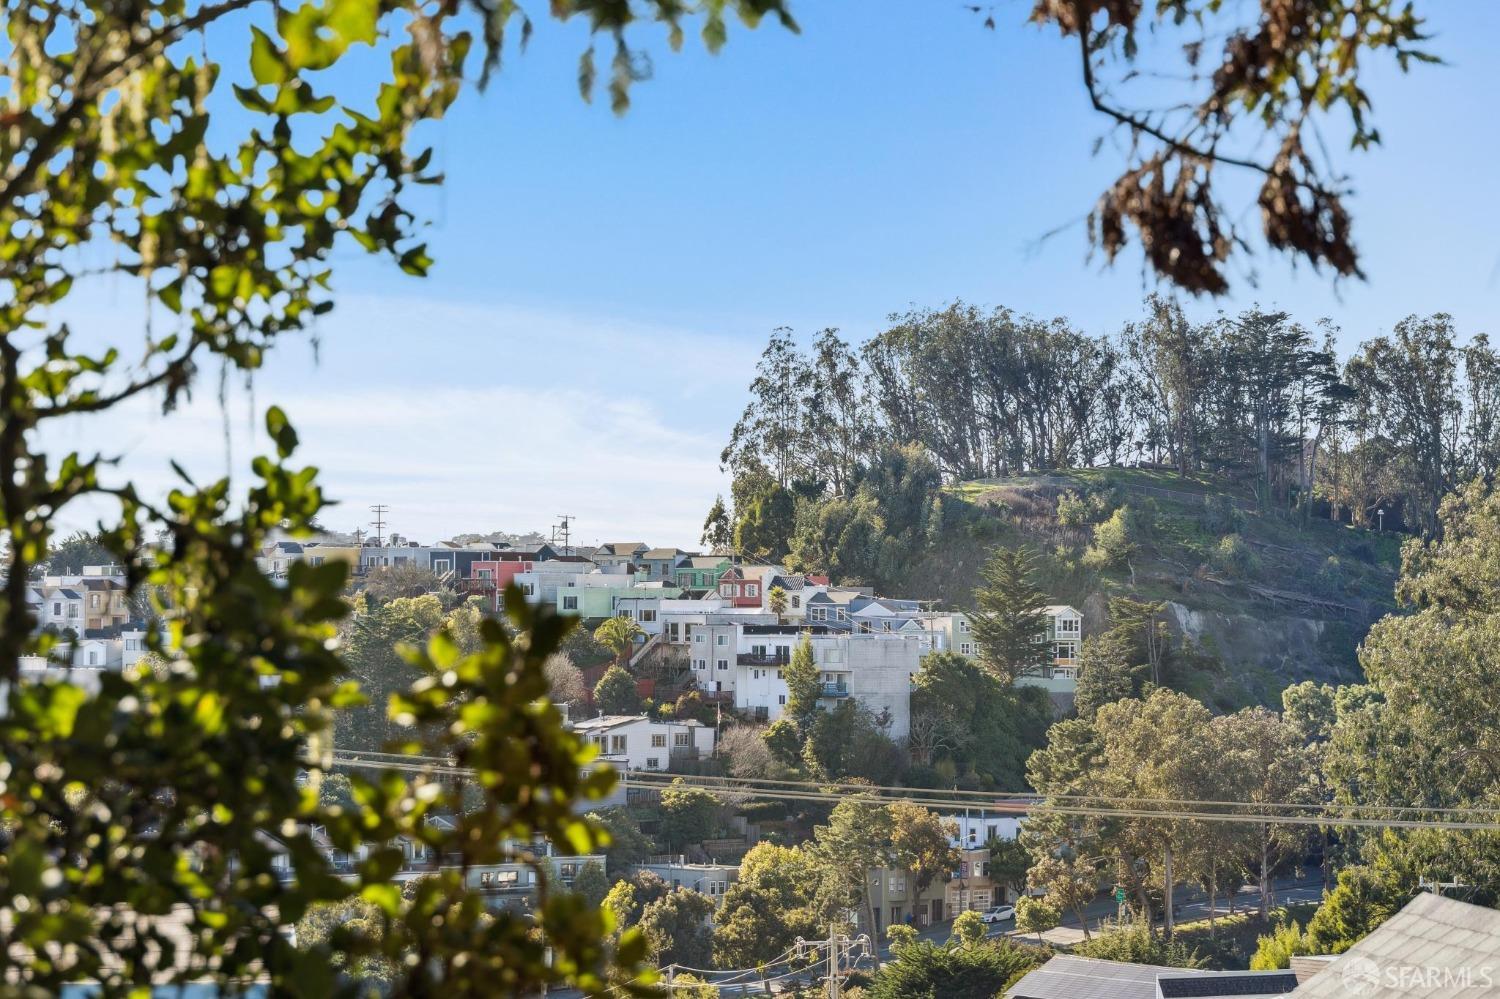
(1010,622)
(802,685)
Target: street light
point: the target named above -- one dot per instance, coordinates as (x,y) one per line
(1381,514)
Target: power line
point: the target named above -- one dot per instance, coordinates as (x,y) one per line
(1336,821)
(1002,801)
(992,800)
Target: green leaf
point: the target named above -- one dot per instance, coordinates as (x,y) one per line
(267,64)
(281,431)
(416,261)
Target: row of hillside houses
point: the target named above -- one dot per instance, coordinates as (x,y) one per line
(510,884)
(91,616)
(734,621)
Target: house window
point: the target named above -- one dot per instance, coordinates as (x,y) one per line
(653,763)
(722,640)
(796,601)
(963,624)
(93,658)
(617,744)
(648,616)
(751,590)
(843,613)
(781,699)
(94,600)
(818,613)
(895,883)
(723,664)
(681,739)
(698,639)
(966,648)
(528,589)
(778,674)
(570,603)
(57,609)
(658,740)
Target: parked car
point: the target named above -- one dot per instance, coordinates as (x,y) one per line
(999,914)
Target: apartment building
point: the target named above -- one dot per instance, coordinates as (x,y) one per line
(746,662)
(708,880)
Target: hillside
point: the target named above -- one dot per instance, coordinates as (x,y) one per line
(1260,600)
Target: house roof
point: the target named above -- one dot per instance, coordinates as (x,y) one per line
(604,722)
(1213,984)
(837,596)
(1068,977)
(623,547)
(663,553)
(1059,609)
(70,594)
(705,561)
(1432,931)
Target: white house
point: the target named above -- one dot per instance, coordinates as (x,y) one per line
(976,828)
(710,880)
(748,662)
(636,742)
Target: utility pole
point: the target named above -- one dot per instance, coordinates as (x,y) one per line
(839,947)
(563,531)
(833,962)
(379,510)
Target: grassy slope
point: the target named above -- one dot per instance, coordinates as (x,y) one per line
(1292,615)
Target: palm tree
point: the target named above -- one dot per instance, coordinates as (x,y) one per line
(617,635)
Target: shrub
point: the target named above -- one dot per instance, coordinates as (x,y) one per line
(1114,541)
(968,928)
(616,694)
(1330,575)
(1221,515)
(1072,511)
(1233,557)
(979,972)
(1138,945)
(1277,948)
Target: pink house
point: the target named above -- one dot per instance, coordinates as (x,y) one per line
(490,579)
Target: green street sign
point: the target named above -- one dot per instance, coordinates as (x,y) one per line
(1119,894)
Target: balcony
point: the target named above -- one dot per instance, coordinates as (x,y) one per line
(833,690)
(771,659)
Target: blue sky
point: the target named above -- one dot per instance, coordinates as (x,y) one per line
(604,284)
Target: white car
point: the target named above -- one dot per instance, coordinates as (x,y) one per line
(999,914)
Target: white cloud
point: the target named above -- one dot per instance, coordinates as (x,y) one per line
(469,417)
